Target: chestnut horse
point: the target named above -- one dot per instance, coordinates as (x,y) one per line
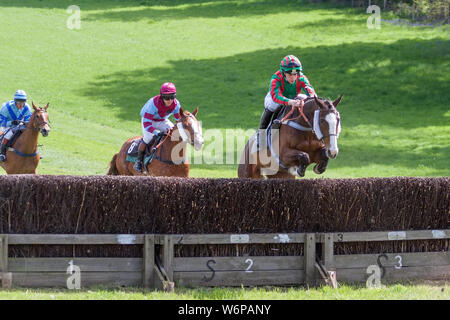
(307,134)
(23,156)
(170,157)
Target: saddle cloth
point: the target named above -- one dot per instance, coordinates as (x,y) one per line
(133,150)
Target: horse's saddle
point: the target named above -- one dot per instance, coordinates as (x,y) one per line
(133,150)
(16,130)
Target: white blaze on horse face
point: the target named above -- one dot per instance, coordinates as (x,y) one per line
(183,133)
(198,137)
(332,123)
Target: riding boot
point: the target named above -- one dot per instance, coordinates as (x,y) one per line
(263,124)
(276,123)
(139,164)
(3,150)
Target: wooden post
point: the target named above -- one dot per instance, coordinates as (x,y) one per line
(149,261)
(3,253)
(168,256)
(328,251)
(310,259)
(5,276)
(328,258)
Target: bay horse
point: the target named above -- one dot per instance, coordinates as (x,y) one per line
(170,157)
(309,136)
(23,156)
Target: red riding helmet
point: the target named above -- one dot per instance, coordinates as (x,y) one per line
(168,88)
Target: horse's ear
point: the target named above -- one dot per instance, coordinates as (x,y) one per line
(181,112)
(195,112)
(45,108)
(34,107)
(336,102)
(318,102)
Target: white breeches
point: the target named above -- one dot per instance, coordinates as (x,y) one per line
(8,134)
(162,126)
(273,106)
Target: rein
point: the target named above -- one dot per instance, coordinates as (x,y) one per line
(29,155)
(169,134)
(315,127)
(36,127)
(301,114)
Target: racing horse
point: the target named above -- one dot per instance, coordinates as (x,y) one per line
(169,159)
(306,134)
(23,156)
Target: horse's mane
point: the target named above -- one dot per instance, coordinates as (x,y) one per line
(327,101)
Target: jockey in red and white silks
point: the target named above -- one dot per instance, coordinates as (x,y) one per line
(155,114)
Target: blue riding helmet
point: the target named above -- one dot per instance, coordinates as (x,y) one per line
(20,95)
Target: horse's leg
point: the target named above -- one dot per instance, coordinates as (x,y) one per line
(249,166)
(321,160)
(296,161)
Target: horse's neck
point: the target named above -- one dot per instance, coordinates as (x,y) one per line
(169,144)
(308,110)
(27,142)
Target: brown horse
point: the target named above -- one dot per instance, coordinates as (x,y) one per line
(170,157)
(307,134)
(23,156)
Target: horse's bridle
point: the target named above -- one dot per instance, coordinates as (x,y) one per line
(37,127)
(315,127)
(182,130)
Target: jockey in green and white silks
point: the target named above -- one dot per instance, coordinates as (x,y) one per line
(286,85)
(11,113)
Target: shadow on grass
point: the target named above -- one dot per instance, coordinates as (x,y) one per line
(403,84)
(157,10)
(98,5)
(386,86)
(211,10)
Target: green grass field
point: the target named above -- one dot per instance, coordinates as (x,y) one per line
(346,292)
(221,54)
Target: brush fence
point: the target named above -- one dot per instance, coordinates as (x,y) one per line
(159,267)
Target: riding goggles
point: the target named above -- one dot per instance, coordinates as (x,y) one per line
(168,96)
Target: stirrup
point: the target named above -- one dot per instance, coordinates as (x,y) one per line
(276,124)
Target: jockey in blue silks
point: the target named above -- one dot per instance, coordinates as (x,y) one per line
(12,113)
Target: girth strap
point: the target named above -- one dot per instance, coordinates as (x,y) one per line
(272,152)
(24,154)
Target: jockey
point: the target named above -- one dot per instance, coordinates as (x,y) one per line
(155,114)
(11,113)
(285,85)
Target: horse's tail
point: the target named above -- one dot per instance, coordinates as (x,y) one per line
(112,167)
(244,167)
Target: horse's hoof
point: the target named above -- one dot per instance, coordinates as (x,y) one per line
(318,169)
(301,171)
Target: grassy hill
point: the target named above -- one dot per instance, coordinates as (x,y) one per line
(221,55)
